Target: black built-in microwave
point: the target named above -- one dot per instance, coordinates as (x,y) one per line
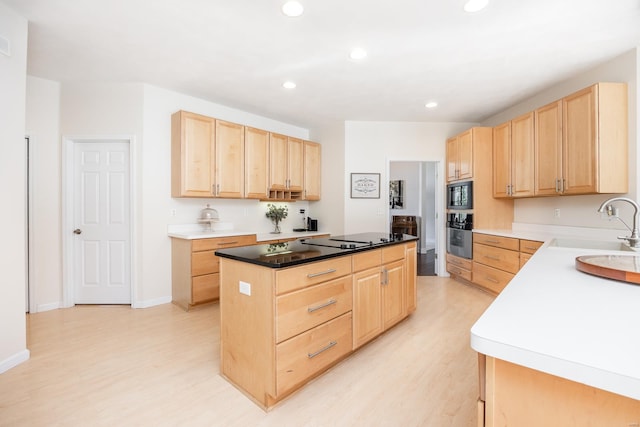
(460,195)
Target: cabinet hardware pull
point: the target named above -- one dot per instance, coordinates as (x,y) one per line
(217,189)
(562,187)
(318,307)
(228,243)
(323,349)
(495,242)
(491,279)
(213,189)
(312,275)
(531,248)
(557,185)
(495,258)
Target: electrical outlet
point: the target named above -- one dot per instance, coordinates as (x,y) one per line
(245,288)
(173,212)
(556,213)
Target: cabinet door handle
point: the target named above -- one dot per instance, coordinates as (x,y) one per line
(312,275)
(562,187)
(318,307)
(495,242)
(531,248)
(557,185)
(495,258)
(227,243)
(323,349)
(491,279)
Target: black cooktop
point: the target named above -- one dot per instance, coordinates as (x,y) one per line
(354,241)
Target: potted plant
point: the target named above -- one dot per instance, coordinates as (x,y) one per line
(276,214)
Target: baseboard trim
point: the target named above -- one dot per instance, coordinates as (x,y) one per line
(47,307)
(151,302)
(14,360)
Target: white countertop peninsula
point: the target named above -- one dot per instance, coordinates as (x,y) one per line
(557,320)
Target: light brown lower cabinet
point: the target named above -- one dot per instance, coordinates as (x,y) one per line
(497,259)
(296,322)
(195,277)
(513,395)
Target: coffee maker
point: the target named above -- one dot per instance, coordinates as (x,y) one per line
(312,224)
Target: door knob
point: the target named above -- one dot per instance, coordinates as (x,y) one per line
(77,231)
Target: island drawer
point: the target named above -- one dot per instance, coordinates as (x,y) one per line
(302,356)
(306,308)
(497,241)
(291,279)
(392,253)
(529,246)
(460,272)
(496,257)
(491,278)
(365,260)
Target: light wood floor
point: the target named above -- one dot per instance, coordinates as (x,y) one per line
(114,366)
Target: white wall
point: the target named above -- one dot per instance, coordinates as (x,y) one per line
(581,210)
(13,71)
(330,210)
(43,129)
(370,146)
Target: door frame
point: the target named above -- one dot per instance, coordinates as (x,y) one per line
(68,267)
(440,223)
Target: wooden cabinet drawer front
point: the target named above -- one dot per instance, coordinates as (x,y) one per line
(496,257)
(205,288)
(290,279)
(497,241)
(366,260)
(392,253)
(304,309)
(204,263)
(303,356)
(529,246)
(457,271)
(222,242)
(491,278)
(459,262)
(524,257)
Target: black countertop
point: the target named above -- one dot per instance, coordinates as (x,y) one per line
(280,255)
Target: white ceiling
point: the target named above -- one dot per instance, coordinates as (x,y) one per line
(239,52)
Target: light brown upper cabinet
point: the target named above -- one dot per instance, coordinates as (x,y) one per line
(207,157)
(286,167)
(548,145)
(229,160)
(256,163)
(312,162)
(460,156)
(594,137)
(192,155)
(513,157)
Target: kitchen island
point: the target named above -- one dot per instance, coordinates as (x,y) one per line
(560,347)
(289,311)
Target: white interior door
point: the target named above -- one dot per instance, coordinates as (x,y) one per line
(101,218)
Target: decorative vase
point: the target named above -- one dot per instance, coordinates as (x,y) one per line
(276,230)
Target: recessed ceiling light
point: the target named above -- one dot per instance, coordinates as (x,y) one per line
(358,53)
(431,104)
(289,85)
(292,9)
(475,5)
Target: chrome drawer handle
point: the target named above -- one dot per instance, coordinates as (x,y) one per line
(318,307)
(323,349)
(531,248)
(495,242)
(491,279)
(228,243)
(312,275)
(495,258)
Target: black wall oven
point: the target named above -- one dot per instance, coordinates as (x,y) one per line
(460,195)
(459,234)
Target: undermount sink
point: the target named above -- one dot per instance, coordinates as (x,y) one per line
(606,245)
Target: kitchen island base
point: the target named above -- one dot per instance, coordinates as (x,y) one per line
(520,396)
(282,327)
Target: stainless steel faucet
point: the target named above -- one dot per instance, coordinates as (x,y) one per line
(634,239)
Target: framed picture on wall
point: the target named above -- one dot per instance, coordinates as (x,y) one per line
(396,194)
(365,185)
